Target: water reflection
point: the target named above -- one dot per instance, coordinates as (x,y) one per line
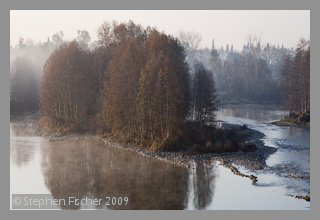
(203,177)
(85,167)
(21,154)
(260,113)
(22,149)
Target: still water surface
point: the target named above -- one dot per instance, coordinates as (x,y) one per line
(88,167)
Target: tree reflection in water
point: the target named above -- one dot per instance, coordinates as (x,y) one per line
(202,179)
(21,150)
(86,167)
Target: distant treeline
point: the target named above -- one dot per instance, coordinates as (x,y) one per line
(134,87)
(23,86)
(258,73)
(251,75)
(245,76)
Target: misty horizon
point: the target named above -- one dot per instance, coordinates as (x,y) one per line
(225,27)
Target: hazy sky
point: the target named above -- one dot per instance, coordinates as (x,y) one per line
(231,27)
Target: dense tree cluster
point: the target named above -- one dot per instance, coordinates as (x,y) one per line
(295,83)
(163,88)
(138,84)
(66,90)
(146,84)
(135,85)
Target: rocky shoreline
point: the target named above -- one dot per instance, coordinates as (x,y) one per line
(251,161)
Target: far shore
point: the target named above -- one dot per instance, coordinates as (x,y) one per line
(291,124)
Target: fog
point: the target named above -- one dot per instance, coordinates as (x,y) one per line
(27,59)
(230,67)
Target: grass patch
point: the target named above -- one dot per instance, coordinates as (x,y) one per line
(217,140)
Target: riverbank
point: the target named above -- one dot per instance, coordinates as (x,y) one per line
(290,124)
(251,161)
(295,120)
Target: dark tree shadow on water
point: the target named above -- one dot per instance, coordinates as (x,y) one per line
(86,167)
(203,183)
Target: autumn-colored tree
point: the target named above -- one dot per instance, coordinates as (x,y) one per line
(67,86)
(111,36)
(121,88)
(105,35)
(114,33)
(164,89)
(146,84)
(136,82)
(295,82)
(101,59)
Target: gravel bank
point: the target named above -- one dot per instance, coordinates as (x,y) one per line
(251,161)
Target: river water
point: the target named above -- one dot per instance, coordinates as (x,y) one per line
(87,167)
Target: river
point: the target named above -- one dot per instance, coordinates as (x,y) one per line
(87,167)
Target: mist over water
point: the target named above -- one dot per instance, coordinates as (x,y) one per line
(142,84)
(87,167)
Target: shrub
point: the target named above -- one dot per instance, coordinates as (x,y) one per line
(244,127)
(217,147)
(247,147)
(230,146)
(167,145)
(49,123)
